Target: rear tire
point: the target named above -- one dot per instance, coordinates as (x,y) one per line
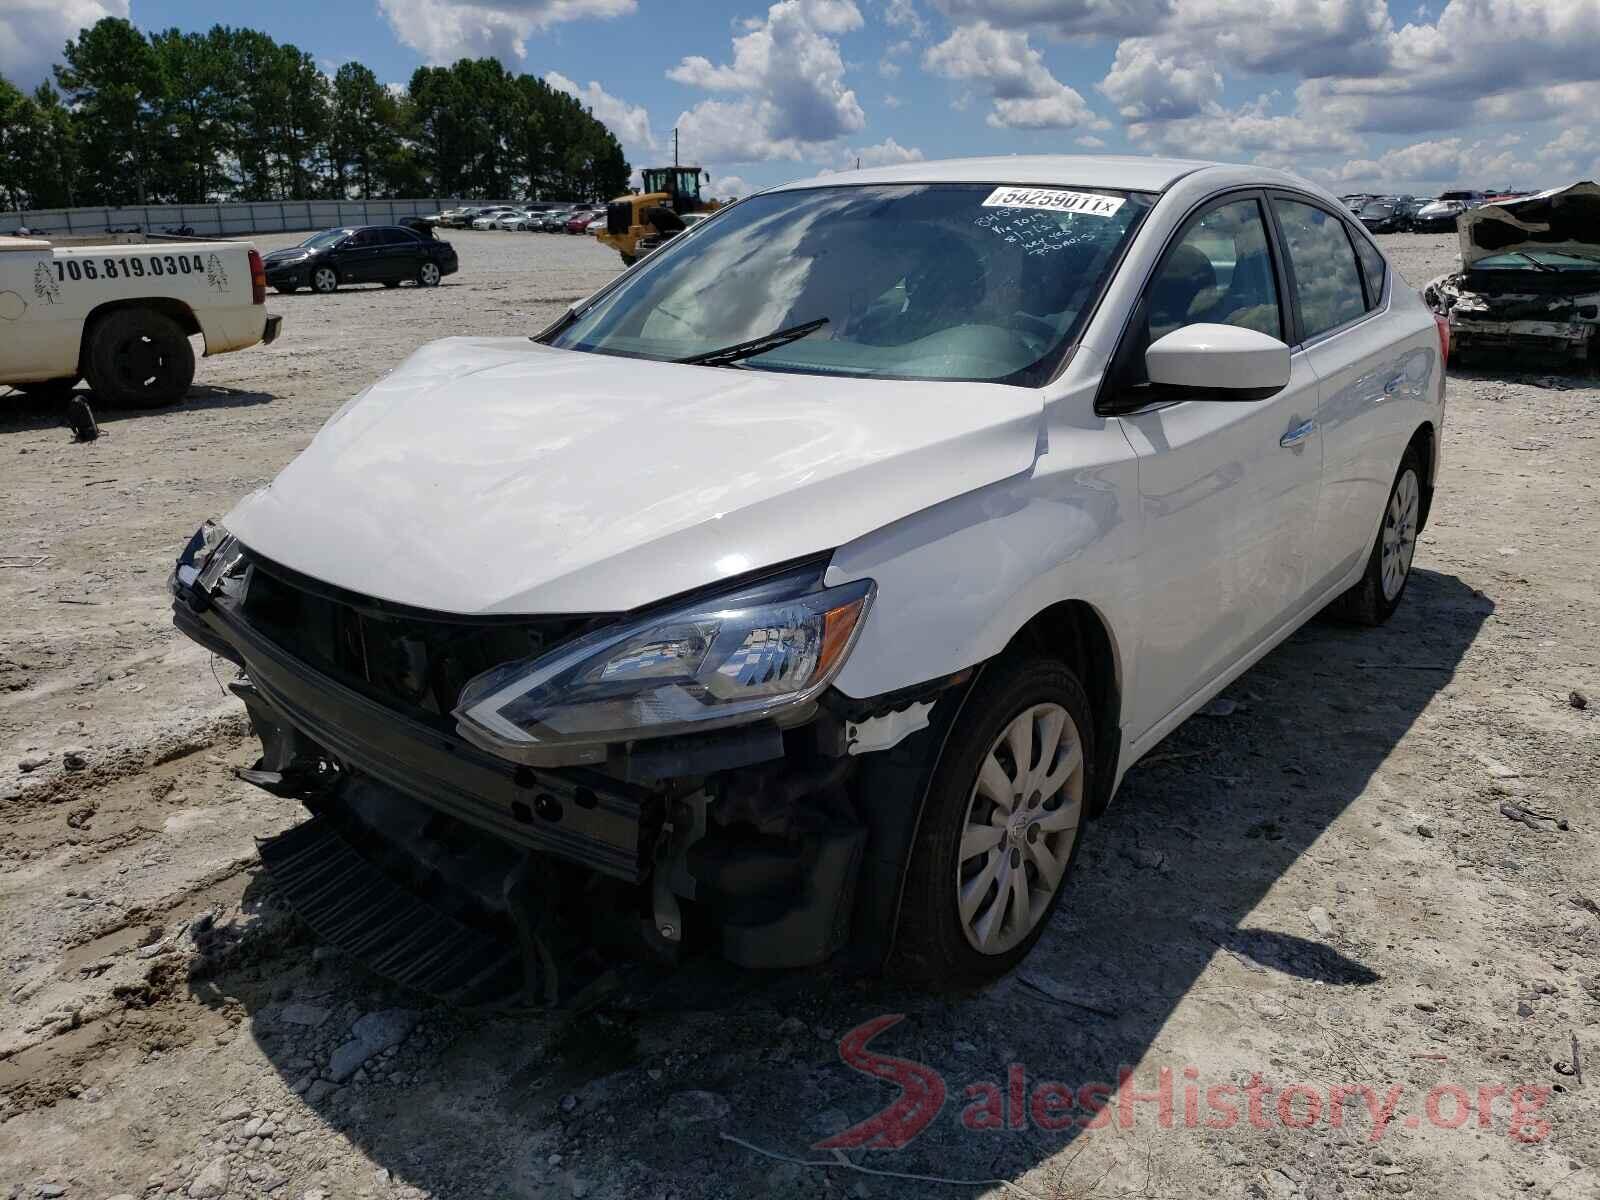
(1373,600)
(139,358)
(992,822)
(429,275)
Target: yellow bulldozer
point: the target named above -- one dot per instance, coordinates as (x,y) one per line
(639,222)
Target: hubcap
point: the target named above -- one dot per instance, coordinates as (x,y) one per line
(430,274)
(1021,823)
(1400,533)
(325,280)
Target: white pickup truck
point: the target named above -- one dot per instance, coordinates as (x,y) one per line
(121,316)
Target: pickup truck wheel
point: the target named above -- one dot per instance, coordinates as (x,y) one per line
(138,358)
(1373,600)
(1000,829)
(324,280)
(428,275)
(49,389)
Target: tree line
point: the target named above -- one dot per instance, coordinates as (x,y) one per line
(231,114)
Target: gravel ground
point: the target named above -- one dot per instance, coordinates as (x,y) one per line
(1374,866)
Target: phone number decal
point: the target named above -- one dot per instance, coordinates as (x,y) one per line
(141,267)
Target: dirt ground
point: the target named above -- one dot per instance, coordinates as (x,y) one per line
(1375,867)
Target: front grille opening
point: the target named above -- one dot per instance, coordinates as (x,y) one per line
(415,665)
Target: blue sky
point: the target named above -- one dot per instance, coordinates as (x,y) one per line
(1356,93)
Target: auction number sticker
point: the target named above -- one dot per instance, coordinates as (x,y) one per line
(1054,200)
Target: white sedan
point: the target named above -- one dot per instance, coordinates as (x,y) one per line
(833,581)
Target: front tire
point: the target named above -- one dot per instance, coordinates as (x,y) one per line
(429,275)
(139,358)
(1001,824)
(324,281)
(1373,600)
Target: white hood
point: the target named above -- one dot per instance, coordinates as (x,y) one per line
(495,475)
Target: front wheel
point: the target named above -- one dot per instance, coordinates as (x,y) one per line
(139,358)
(324,281)
(1000,827)
(428,275)
(1373,600)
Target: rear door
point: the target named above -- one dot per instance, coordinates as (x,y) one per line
(402,254)
(1339,291)
(1228,488)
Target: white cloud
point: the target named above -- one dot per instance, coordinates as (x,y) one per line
(1025,94)
(788,79)
(1146,85)
(1089,142)
(32,33)
(886,153)
(729,187)
(903,14)
(1250,130)
(629,122)
(892,101)
(1066,18)
(888,68)
(445,30)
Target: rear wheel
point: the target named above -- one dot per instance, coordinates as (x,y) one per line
(1373,600)
(1000,829)
(324,280)
(428,275)
(139,358)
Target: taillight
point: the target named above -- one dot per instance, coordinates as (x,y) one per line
(258,278)
(1444,339)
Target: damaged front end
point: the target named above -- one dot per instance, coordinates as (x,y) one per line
(512,805)
(1529,278)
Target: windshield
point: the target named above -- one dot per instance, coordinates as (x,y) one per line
(1537,260)
(328,237)
(1378,208)
(924,281)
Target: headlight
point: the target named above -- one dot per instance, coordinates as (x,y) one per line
(199,548)
(765,651)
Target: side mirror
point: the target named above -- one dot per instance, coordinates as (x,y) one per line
(1217,362)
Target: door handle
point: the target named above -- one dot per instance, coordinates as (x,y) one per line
(1298,434)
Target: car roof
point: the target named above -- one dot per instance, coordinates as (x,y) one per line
(1137,173)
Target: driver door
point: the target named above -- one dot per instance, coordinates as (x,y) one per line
(1228,488)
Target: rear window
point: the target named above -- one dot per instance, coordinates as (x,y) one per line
(1326,276)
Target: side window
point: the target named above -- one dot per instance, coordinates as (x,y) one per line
(1219,272)
(1373,269)
(1327,281)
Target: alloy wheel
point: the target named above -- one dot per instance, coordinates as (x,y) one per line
(324,279)
(429,275)
(1021,822)
(1400,533)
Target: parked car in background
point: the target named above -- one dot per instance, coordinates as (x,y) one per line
(554,221)
(884,591)
(1385,214)
(516,218)
(444,216)
(1439,216)
(490,218)
(579,220)
(386,254)
(594,227)
(122,315)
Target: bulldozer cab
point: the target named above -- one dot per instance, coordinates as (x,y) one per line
(681,184)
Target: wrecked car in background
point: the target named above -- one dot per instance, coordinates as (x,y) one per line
(1385,215)
(1440,216)
(1529,278)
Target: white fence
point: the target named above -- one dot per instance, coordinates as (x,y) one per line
(225,220)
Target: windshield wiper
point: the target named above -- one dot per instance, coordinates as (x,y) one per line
(760,345)
(1534,261)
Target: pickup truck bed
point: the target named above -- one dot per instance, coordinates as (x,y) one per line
(122,315)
